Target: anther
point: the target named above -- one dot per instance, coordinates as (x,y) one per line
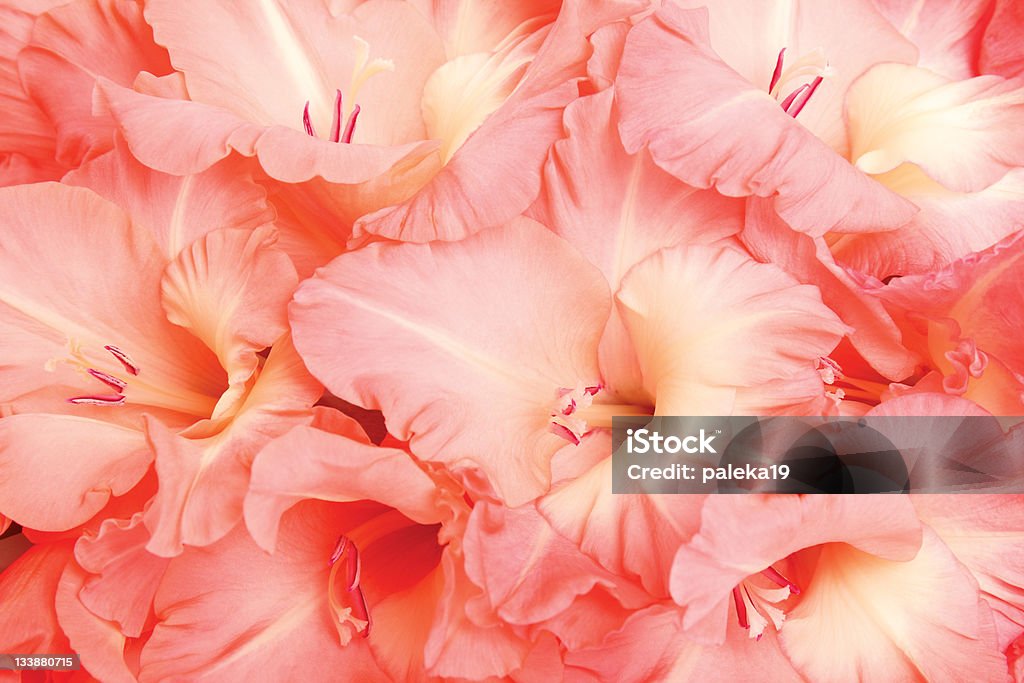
(781,580)
(777,74)
(123,358)
(114,383)
(336,123)
(307,122)
(97,400)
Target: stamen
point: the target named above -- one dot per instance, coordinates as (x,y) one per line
(781,580)
(338,550)
(114,383)
(808,91)
(565,433)
(792,96)
(336,122)
(350,126)
(741,608)
(123,358)
(354,611)
(778,70)
(307,123)
(97,400)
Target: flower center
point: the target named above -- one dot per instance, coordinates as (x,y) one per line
(755,603)
(574,412)
(114,380)
(344,594)
(344,116)
(119,374)
(812,65)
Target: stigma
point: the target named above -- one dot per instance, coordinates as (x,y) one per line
(756,603)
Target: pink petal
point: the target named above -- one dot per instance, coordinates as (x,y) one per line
(743,535)
(28,622)
(667,60)
(652,646)
(497,353)
(962,134)
(617,209)
(102,278)
(850,37)
(333,468)
(872,331)
(230,289)
(947,34)
(120,578)
(204,472)
(26,134)
(74,45)
(950,225)
(978,294)
(265,60)
(285,628)
(203,135)
(99,643)
(528,571)
(629,535)
(1001,51)
(177,209)
(695,353)
(983,533)
(507,149)
(459,648)
(108,461)
(871,617)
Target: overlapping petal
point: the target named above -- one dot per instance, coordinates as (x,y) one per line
(469,383)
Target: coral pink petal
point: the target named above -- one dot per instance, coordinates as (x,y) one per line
(203,135)
(230,289)
(617,209)
(509,147)
(694,352)
(980,293)
(617,530)
(950,225)
(337,468)
(983,533)
(707,141)
(459,648)
(74,45)
(121,576)
(866,616)
(204,472)
(177,209)
(742,535)
(27,136)
(102,277)
(963,134)
(28,622)
(479,26)
(529,571)
(285,629)
(108,461)
(497,352)
(651,646)
(872,331)
(98,642)
(849,37)
(264,61)
(1001,50)
(947,34)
